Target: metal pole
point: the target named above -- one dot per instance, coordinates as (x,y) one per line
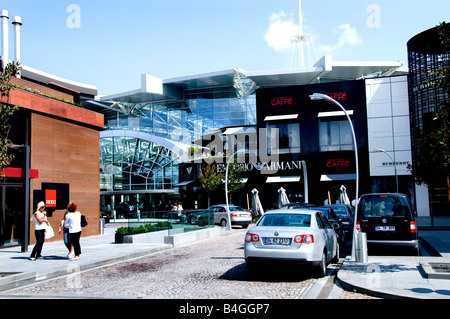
(393,162)
(25,149)
(319,96)
(226,191)
(305,181)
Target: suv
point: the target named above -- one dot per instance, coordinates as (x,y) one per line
(388,220)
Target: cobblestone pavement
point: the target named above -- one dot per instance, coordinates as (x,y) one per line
(211,269)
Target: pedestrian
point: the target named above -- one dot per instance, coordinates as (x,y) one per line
(73,222)
(40,223)
(65,230)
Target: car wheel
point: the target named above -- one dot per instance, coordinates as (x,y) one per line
(322,268)
(223,223)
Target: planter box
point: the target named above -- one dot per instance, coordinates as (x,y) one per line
(118,238)
(156,237)
(175,238)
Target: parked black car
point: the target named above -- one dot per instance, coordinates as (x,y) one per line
(345,214)
(295,205)
(388,220)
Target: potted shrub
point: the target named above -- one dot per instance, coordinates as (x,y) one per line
(120,234)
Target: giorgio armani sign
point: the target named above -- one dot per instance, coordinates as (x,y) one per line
(269,167)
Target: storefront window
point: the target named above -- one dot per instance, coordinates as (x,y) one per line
(289,138)
(130,163)
(335,136)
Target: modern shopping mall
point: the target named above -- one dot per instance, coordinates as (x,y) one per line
(145,147)
(149,133)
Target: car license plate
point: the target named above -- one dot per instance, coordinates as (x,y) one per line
(243,215)
(384,228)
(277,241)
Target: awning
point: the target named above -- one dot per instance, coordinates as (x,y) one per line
(283,179)
(281,117)
(337,177)
(184,183)
(240,130)
(334,113)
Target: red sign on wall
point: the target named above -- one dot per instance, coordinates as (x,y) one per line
(336,163)
(281,101)
(50,197)
(338,96)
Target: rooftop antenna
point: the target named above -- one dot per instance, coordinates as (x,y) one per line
(299,40)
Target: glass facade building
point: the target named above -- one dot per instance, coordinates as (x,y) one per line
(145,141)
(428,56)
(151,133)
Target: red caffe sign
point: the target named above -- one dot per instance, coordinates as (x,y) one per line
(279,101)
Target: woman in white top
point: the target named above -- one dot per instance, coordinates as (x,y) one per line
(73,222)
(40,223)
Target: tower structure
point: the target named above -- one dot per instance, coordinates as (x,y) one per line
(300,41)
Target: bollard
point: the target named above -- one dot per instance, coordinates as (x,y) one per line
(361,248)
(102,226)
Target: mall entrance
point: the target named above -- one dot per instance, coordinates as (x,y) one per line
(12,217)
(124,205)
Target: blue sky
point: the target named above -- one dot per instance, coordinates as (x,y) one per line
(109,44)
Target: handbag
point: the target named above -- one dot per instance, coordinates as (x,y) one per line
(49,233)
(84,222)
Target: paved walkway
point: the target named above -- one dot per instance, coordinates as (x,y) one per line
(16,270)
(405,276)
(383,276)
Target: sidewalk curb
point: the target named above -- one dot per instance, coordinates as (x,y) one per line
(374,293)
(22,279)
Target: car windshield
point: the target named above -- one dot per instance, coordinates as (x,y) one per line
(340,210)
(285,220)
(383,206)
(236,209)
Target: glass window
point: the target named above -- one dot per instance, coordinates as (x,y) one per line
(335,136)
(289,137)
(129,163)
(285,220)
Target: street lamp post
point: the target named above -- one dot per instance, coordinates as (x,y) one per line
(393,162)
(226,189)
(319,96)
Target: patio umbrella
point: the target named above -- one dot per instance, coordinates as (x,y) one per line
(257,209)
(282,197)
(343,197)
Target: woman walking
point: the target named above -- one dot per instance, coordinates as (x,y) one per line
(40,223)
(65,231)
(73,222)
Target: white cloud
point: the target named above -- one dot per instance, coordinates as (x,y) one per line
(347,35)
(280,31)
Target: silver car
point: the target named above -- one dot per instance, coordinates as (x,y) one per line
(217,214)
(300,236)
